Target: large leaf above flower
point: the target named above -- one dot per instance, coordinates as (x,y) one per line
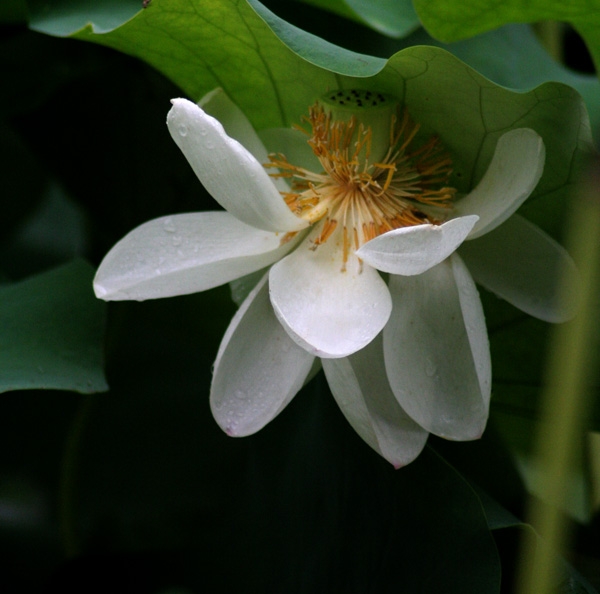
(257,51)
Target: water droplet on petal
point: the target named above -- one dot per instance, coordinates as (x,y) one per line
(176,240)
(182,129)
(168,225)
(430,367)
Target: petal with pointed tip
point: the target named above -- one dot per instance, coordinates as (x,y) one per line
(361,389)
(330,312)
(520,263)
(259,368)
(512,175)
(235,179)
(413,250)
(436,351)
(183,254)
(236,125)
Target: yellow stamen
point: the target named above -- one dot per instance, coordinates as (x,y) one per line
(408,186)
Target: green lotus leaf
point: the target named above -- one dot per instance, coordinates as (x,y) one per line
(275,71)
(52,332)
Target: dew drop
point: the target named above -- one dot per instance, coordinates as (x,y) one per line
(210,145)
(430,368)
(182,129)
(203,131)
(176,240)
(168,225)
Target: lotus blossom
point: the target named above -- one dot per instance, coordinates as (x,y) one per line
(310,228)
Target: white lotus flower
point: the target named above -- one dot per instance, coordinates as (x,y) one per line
(403,358)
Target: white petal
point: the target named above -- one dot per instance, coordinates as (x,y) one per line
(413,250)
(258,370)
(520,263)
(235,179)
(514,172)
(236,125)
(328,312)
(474,319)
(183,254)
(437,353)
(361,389)
(241,287)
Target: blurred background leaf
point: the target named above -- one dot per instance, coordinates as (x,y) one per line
(395,18)
(450,21)
(52,330)
(62,17)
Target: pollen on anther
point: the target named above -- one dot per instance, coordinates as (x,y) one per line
(362,199)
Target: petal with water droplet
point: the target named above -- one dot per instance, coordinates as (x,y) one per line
(183,254)
(327,310)
(258,370)
(232,175)
(361,389)
(238,126)
(436,351)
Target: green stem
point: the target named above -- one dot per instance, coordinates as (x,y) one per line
(568,375)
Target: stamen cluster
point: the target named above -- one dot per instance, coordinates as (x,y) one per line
(364,199)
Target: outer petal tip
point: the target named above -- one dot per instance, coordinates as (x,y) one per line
(100,291)
(228,170)
(513,173)
(413,250)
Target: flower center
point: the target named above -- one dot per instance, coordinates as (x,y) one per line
(376,177)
